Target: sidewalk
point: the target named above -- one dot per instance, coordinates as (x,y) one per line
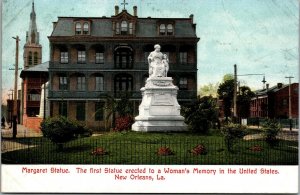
(21,132)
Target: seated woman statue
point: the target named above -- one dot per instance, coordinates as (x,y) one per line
(158,63)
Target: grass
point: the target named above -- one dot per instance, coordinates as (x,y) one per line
(141,148)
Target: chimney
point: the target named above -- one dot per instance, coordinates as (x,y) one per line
(279,85)
(116,10)
(267,86)
(134,10)
(192,18)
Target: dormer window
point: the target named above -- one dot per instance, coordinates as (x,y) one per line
(82,28)
(170,29)
(124,28)
(86,28)
(78,28)
(166,29)
(162,29)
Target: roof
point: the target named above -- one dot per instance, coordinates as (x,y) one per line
(37,68)
(275,88)
(145,27)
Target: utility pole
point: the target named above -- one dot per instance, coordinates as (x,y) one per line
(15,111)
(290,102)
(235,93)
(11,107)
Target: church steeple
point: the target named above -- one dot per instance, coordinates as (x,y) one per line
(32,49)
(32,36)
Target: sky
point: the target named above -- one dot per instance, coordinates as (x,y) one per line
(259,36)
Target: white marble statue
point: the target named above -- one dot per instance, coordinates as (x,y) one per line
(159,110)
(158,63)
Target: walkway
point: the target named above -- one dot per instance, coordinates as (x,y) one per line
(8,144)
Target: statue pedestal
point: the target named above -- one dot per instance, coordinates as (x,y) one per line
(159,110)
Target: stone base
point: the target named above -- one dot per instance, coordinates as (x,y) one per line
(159,124)
(159,110)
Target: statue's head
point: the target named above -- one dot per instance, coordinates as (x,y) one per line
(157,47)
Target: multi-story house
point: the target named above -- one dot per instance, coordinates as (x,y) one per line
(95,57)
(273,102)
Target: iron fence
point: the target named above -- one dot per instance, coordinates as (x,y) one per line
(185,151)
(285,123)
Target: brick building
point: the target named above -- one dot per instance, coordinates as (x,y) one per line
(33,76)
(274,102)
(92,57)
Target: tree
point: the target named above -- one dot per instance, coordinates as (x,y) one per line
(243,101)
(209,90)
(122,108)
(227,77)
(201,115)
(225,92)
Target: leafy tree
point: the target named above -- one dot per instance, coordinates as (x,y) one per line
(225,92)
(243,101)
(227,77)
(209,89)
(201,115)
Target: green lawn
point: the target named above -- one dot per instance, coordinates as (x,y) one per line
(141,148)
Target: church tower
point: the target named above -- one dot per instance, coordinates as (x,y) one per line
(32,49)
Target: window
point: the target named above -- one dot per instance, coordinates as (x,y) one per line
(183,57)
(162,29)
(123,58)
(81,83)
(183,83)
(80,111)
(30,58)
(117,28)
(64,57)
(99,58)
(99,85)
(99,111)
(35,58)
(124,28)
(63,84)
(81,57)
(170,29)
(34,97)
(77,28)
(284,102)
(85,28)
(130,28)
(123,83)
(62,109)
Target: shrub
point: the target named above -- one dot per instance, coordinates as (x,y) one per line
(124,123)
(271,129)
(232,133)
(164,151)
(199,149)
(99,151)
(201,115)
(60,130)
(256,148)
